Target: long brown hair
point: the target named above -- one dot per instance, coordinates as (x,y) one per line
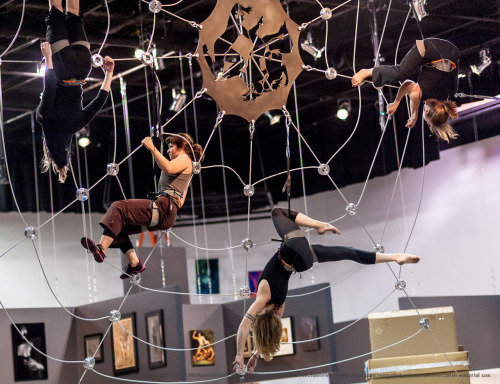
(437,118)
(48,163)
(267,331)
(185,142)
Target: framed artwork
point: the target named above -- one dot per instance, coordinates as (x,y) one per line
(91,343)
(308,329)
(202,356)
(29,364)
(253,279)
(124,346)
(157,357)
(286,337)
(247,352)
(208,273)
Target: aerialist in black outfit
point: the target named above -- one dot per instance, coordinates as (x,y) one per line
(68,62)
(437,61)
(295,254)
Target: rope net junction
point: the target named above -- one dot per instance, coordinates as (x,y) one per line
(263,52)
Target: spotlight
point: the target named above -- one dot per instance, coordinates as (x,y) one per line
(308,46)
(179,99)
(484,61)
(343,109)
(419,8)
(83,137)
(273,119)
(41,67)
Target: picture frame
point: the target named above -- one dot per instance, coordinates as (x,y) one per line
(308,329)
(253,280)
(202,356)
(27,340)
(124,345)
(207,272)
(90,344)
(155,335)
(286,337)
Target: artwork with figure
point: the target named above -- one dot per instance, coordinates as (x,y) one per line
(91,343)
(286,337)
(202,356)
(155,336)
(307,330)
(27,341)
(124,345)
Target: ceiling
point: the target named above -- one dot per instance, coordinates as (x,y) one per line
(469,25)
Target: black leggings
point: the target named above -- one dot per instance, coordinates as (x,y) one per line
(70,46)
(435,49)
(284,222)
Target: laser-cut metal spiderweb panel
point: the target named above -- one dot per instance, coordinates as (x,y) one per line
(266,38)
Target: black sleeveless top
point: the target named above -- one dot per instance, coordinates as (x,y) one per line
(277,276)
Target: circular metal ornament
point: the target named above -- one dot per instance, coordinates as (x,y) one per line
(147,58)
(424,323)
(246,244)
(97,60)
(89,362)
(196,167)
(351,209)
(30,232)
(136,279)
(324,169)
(112,169)
(326,13)
(400,285)
(114,316)
(249,190)
(331,73)
(155,6)
(82,194)
(379,248)
(245,291)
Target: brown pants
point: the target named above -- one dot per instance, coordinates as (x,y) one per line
(130,217)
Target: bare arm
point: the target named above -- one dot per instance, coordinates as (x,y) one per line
(414,93)
(109,66)
(179,165)
(392,107)
(263,296)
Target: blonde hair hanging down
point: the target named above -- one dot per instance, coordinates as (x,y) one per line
(48,163)
(437,118)
(267,334)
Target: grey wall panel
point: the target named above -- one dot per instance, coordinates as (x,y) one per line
(477,322)
(317,305)
(174,267)
(59,328)
(351,342)
(201,317)
(140,303)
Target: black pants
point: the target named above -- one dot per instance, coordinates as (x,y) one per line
(435,49)
(73,61)
(284,222)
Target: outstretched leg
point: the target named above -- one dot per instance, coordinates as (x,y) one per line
(336,253)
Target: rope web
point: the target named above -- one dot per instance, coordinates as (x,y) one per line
(147,59)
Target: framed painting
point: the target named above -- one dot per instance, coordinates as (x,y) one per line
(124,345)
(307,330)
(253,279)
(27,340)
(202,355)
(286,337)
(208,275)
(91,344)
(157,357)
